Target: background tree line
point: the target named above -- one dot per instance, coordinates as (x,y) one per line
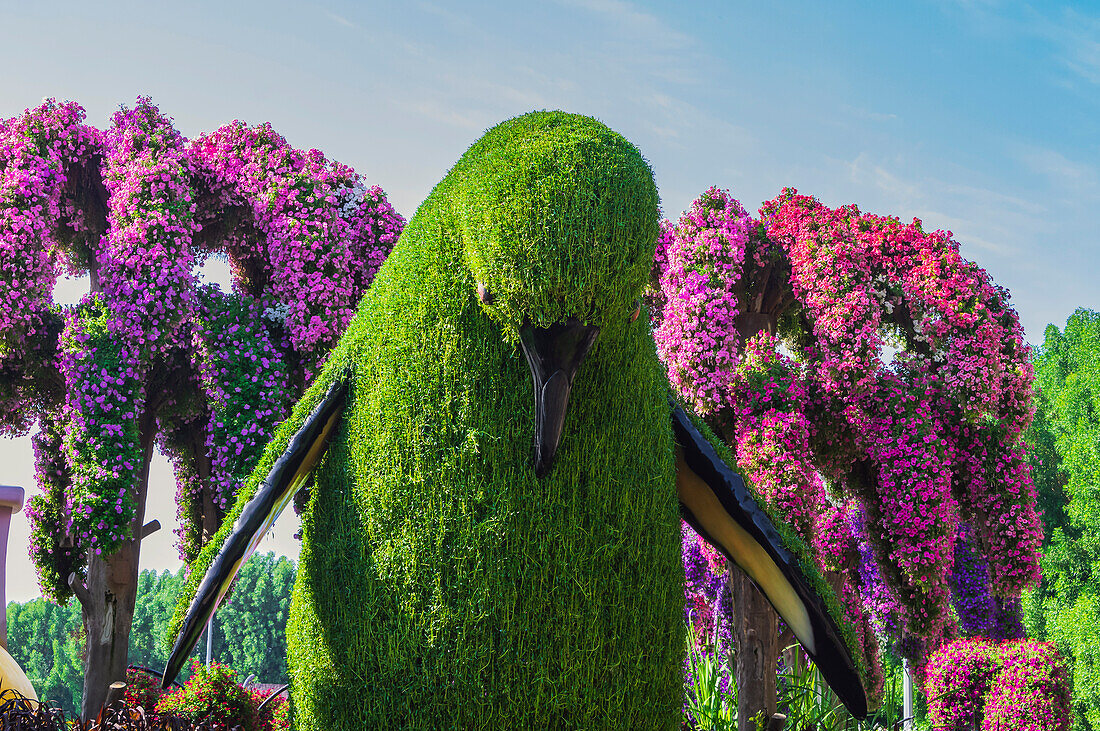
(1064,447)
(249,631)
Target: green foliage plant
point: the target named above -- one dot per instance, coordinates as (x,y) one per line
(711,703)
(809,704)
(1064,440)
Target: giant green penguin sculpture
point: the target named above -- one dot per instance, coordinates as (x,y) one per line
(492,534)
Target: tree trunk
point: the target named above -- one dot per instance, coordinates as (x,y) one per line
(756,641)
(107,602)
(756,625)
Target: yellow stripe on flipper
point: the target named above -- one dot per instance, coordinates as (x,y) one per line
(12,676)
(749,555)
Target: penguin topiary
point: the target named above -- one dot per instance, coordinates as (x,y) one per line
(491,538)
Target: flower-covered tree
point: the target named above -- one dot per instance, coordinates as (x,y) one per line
(148,358)
(777,331)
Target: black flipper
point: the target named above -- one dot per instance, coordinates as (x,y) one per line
(717,503)
(287,476)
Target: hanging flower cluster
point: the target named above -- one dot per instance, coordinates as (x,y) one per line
(37,150)
(52,547)
(245,380)
(980,613)
(703,261)
(772,433)
(880,604)
(104,393)
(145,261)
(775,332)
(913,510)
(772,437)
(758,396)
(963,370)
(183,440)
(1014,685)
(309,234)
(997,493)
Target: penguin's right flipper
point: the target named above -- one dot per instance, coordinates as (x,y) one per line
(286,476)
(720,506)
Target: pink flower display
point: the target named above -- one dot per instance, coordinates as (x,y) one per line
(832,347)
(41,150)
(145,262)
(38,149)
(961,372)
(702,261)
(1011,686)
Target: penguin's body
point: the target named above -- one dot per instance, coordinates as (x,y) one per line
(492,536)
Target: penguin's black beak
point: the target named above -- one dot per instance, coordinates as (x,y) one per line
(554,355)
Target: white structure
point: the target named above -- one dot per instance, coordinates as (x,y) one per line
(11,501)
(907,697)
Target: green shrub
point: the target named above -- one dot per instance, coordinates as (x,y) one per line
(276,714)
(143,690)
(441,583)
(213,694)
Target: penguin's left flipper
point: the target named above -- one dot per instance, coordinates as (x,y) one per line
(717,503)
(287,475)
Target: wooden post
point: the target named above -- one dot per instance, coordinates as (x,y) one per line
(756,639)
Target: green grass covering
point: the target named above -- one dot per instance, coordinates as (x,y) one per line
(440,584)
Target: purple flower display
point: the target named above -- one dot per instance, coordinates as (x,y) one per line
(148,353)
(307,233)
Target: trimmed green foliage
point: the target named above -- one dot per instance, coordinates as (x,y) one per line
(440,580)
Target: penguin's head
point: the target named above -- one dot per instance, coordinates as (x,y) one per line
(558,219)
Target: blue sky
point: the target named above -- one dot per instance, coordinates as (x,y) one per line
(977,116)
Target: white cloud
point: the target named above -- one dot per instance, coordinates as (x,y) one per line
(1060,171)
(340,19)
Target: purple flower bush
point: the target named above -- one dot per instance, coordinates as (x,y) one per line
(980,613)
(707,599)
(701,264)
(148,356)
(146,265)
(708,612)
(38,151)
(309,234)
